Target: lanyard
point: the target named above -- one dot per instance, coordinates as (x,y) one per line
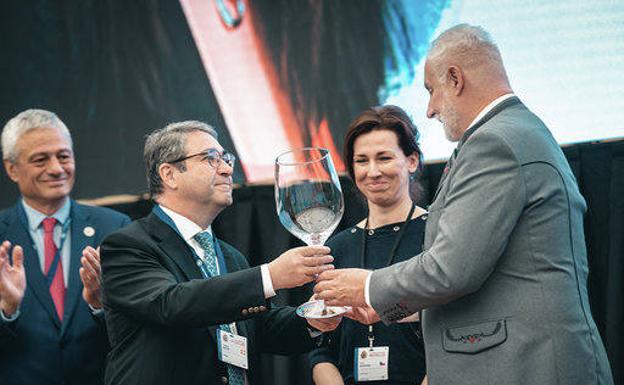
(57,256)
(395,247)
(160,213)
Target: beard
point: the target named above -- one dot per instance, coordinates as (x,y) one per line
(449,117)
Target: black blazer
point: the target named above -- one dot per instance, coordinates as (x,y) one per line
(162,316)
(37,348)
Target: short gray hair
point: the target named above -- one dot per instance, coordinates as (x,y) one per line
(24,122)
(469,46)
(166,145)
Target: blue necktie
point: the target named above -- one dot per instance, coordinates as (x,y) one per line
(208,267)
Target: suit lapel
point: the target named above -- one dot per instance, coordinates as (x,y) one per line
(493,112)
(445,173)
(174,247)
(19,234)
(230,262)
(79,221)
(233,265)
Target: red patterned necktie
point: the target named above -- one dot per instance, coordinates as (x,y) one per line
(57,289)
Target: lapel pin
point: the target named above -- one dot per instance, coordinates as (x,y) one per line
(88,231)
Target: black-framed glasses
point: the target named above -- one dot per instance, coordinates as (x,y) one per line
(212,156)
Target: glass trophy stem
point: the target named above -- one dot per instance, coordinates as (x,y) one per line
(315,240)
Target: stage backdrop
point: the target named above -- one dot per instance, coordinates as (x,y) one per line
(276,74)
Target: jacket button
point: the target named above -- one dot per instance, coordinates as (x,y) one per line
(262,308)
(224,380)
(244,312)
(256,309)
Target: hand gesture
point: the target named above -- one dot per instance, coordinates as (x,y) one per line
(90,274)
(364,315)
(12,278)
(324,324)
(299,266)
(342,287)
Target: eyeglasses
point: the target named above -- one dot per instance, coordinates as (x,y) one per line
(213,156)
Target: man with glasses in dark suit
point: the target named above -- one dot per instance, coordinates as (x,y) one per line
(182,306)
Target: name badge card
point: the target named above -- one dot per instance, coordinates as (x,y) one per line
(371,364)
(232,349)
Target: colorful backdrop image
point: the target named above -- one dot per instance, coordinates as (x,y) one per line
(294,73)
(276,74)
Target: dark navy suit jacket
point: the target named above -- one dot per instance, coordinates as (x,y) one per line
(162,316)
(37,348)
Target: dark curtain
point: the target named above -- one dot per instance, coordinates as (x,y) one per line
(251,224)
(599,169)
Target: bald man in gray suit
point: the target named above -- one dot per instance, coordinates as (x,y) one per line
(502,281)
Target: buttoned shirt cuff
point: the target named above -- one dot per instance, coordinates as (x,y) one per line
(267,284)
(12,318)
(367,289)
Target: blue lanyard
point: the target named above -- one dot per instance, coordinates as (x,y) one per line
(59,250)
(167,219)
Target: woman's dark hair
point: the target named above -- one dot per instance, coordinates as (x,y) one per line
(391,118)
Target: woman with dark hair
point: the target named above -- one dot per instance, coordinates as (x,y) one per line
(383,159)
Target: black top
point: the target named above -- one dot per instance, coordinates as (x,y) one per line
(406,357)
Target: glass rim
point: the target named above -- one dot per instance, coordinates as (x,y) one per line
(322,150)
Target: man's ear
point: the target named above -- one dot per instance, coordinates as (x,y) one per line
(11,170)
(168,175)
(455,78)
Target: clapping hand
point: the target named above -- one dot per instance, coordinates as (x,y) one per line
(12,278)
(90,274)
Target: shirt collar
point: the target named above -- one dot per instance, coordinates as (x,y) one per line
(187,228)
(489,108)
(35,217)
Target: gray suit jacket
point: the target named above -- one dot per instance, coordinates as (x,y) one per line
(502,280)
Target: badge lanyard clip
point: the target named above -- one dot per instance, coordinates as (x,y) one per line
(371,336)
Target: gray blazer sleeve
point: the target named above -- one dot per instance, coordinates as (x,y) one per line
(467,230)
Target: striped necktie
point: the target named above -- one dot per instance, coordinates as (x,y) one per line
(208,267)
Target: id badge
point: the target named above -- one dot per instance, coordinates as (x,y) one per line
(371,364)
(232,349)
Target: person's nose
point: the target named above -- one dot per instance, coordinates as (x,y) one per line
(430,110)
(373,169)
(54,166)
(225,169)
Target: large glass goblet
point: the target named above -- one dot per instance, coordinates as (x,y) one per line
(309,198)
